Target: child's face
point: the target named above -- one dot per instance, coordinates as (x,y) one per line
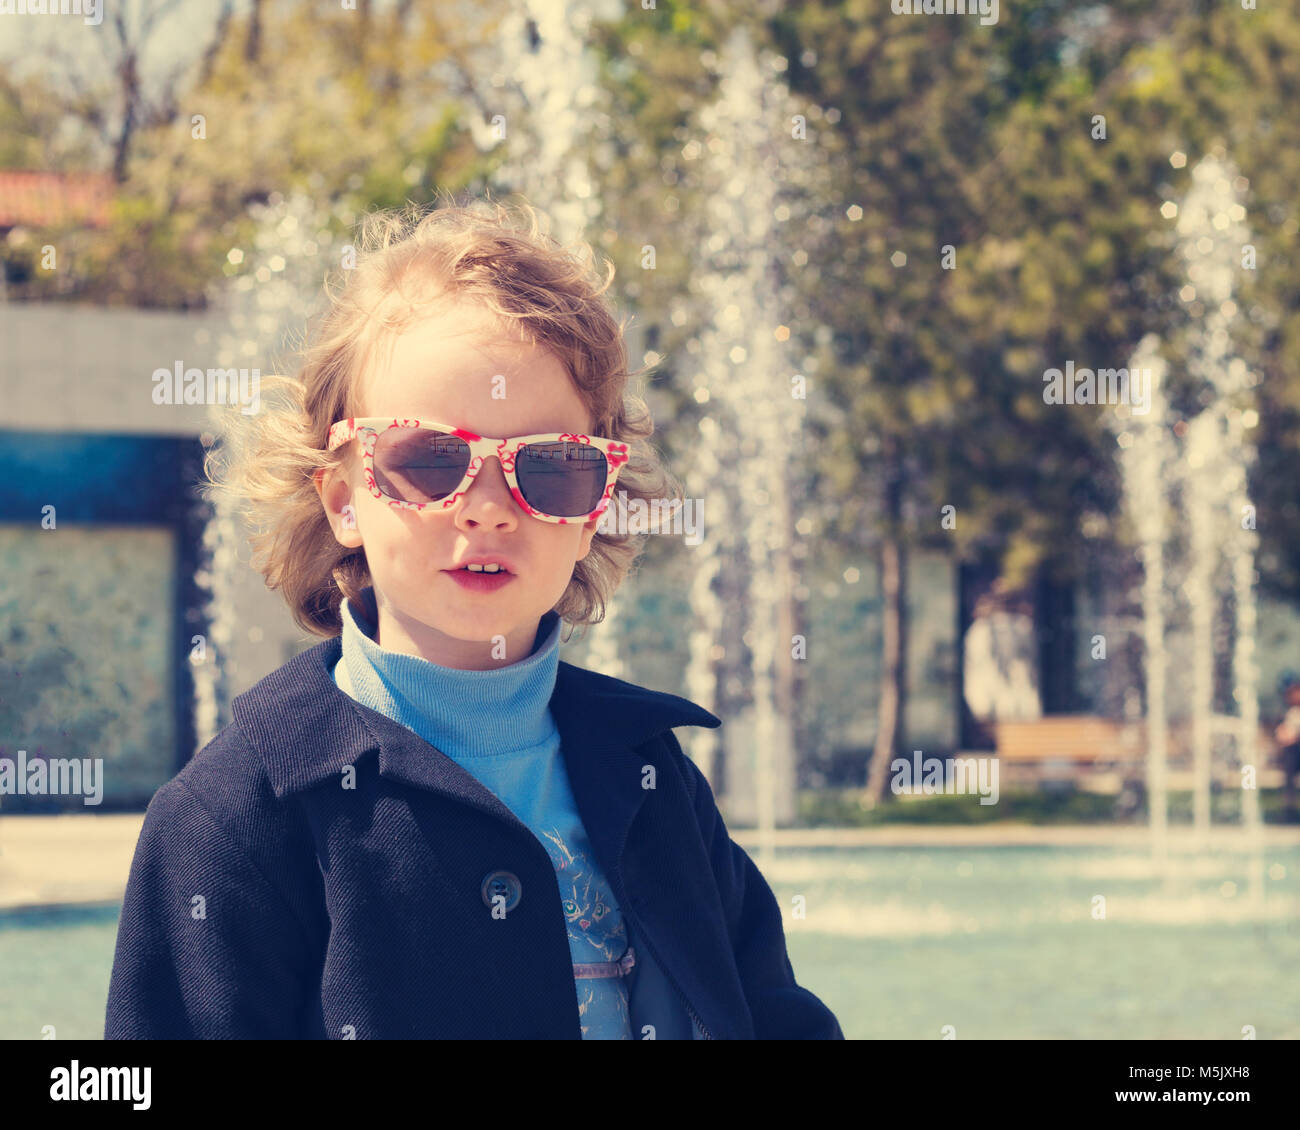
(443,370)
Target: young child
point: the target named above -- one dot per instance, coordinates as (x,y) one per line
(428,826)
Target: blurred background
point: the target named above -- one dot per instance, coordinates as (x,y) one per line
(861,247)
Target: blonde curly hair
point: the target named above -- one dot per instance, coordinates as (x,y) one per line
(406,258)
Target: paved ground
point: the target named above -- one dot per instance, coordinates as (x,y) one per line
(47,860)
(55,860)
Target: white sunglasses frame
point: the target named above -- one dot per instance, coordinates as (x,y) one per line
(367,429)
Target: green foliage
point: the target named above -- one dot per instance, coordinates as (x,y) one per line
(358,117)
(1063,804)
(841,808)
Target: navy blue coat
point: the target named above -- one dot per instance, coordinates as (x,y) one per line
(267,900)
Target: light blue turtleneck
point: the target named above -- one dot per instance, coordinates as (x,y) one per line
(497,725)
(468,715)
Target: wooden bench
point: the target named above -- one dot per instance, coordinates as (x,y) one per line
(1084,744)
(1081,738)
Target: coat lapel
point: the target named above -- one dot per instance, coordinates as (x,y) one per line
(601,721)
(315,730)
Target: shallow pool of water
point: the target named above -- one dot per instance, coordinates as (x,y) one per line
(1036,942)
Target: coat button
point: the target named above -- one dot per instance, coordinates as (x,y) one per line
(503,883)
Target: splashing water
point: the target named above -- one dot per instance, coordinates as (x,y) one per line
(1146,455)
(543,49)
(752,417)
(1212,472)
(1219,455)
(274,289)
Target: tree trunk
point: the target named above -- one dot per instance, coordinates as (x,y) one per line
(893,667)
(215,44)
(129,77)
(253,44)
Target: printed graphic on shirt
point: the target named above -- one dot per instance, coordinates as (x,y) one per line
(597,932)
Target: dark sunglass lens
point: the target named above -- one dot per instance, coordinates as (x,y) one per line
(564,480)
(417,465)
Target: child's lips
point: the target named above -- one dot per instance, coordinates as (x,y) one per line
(479,582)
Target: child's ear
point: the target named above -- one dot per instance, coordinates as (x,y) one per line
(588,532)
(336,497)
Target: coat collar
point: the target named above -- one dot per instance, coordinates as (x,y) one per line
(286,715)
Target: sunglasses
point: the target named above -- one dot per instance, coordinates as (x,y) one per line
(420,465)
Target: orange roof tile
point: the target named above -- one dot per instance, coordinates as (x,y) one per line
(37,199)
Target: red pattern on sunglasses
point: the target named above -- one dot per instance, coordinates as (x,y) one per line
(366,429)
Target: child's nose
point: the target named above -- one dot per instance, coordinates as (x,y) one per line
(488,497)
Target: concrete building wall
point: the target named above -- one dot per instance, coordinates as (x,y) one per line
(89,370)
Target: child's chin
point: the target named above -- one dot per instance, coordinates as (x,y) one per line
(476,625)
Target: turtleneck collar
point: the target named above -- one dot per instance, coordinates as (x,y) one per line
(467,713)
